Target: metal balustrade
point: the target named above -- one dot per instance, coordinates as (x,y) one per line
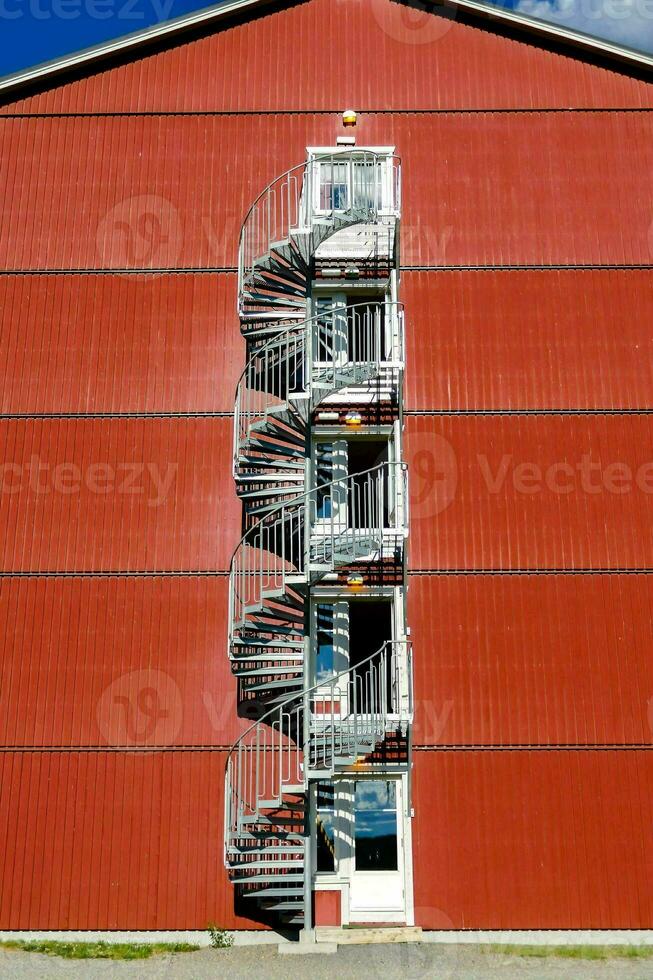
(359,516)
(340,721)
(301,209)
(356,522)
(288,377)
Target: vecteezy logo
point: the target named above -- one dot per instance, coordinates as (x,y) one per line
(432,473)
(142,232)
(142,707)
(413,22)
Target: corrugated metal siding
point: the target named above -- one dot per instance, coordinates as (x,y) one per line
(504,839)
(115,661)
(115,343)
(391,58)
(148,192)
(529,340)
(474,506)
(533,660)
(166,501)
(534,840)
(99,840)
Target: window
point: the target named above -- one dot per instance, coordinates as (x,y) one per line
(334,185)
(375,827)
(325,825)
(324,474)
(357,184)
(324,657)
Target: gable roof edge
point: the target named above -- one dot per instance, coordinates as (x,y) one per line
(29,76)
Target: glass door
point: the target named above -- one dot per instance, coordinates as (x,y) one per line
(377,891)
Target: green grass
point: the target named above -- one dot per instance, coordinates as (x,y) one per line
(577,952)
(100,951)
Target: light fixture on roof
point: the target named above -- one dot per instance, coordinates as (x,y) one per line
(353,419)
(355,580)
(349,117)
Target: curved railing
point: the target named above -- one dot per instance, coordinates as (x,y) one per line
(345,716)
(323,187)
(342,520)
(345,344)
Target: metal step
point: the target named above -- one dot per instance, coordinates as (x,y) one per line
(275,892)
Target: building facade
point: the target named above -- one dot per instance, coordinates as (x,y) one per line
(404,602)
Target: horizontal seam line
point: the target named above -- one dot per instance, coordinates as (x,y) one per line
(222,270)
(28,416)
(224,747)
(439,572)
(200,113)
(539,747)
(414,572)
(188,270)
(437,412)
(535,267)
(198,573)
(115,748)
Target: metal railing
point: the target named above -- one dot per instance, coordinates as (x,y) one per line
(348,716)
(333,523)
(347,344)
(362,183)
(273,376)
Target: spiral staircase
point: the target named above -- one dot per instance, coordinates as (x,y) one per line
(296,535)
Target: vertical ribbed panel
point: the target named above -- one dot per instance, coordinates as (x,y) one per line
(552,339)
(117,495)
(533,840)
(116,343)
(533,660)
(105,840)
(159,192)
(503,839)
(530,492)
(115,661)
(391,58)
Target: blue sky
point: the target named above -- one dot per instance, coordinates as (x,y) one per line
(34,31)
(625,22)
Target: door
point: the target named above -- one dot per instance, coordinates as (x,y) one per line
(329,340)
(343,183)
(377,889)
(331,631)
(329,515)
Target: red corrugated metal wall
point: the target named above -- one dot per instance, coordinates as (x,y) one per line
(372,54)
(114,840)
(140,191)
(526,815)
(529,340)
(95,643)
(119,343)
(130,495)
(523,839)
(533,659)
(488,491)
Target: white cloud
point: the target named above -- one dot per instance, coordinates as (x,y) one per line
(627,22)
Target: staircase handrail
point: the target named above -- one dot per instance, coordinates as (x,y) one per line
(293,199)
(302,698)
(273,522)
(303,327)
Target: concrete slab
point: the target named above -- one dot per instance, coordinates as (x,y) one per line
(307,949)
(368,936)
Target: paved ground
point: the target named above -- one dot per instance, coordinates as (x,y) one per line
(350,963)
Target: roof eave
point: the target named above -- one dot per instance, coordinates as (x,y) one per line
(188,21)
(122,44)
(557,32)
